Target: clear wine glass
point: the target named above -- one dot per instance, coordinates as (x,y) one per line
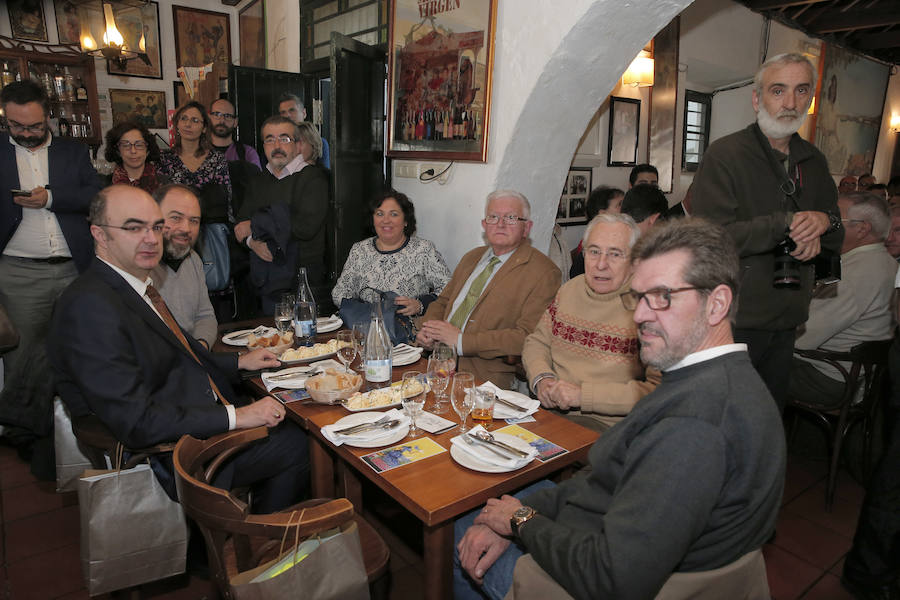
(412,397)
(346,348)
(441,366)
(360,332)
(462,397)
(284,314)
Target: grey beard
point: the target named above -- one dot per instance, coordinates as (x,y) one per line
(171,253)
(776,128)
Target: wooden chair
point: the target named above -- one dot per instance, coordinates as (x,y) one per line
(237,540)
(866,379)
(97,442)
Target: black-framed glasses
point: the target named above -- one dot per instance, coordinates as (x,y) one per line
(19,128)
(136,229)
(283,139)
(126,145)
(657,299)
(508,219)
(221,115)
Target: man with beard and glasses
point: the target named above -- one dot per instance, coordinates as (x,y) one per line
(179,275)
(682,493)
(46,186)
(773,192)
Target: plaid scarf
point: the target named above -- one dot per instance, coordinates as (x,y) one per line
(147,181)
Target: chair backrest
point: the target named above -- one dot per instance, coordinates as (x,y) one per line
(865,377)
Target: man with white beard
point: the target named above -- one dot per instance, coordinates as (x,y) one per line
(772,191)
(179,275)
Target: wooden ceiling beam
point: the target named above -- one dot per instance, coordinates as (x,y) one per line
(779,4)
(831,23)
(876,41)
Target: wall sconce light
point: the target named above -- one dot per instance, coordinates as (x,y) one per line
(895,123)
(640,72)
(102,38)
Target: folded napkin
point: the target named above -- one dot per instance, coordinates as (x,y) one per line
(370,435)
(406,349)
(501,411)
(482,454)
(327,321)
(298,379)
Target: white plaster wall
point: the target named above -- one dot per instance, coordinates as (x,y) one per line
(283,35)
(887,140)
(552,69)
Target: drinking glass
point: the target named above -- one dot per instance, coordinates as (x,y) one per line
(284,314)
(346,348)
(462,397)
(289,299)
(441,366)
(484,407)
(412,397)
(360,333)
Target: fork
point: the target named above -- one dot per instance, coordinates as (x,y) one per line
(361,426)
(488,438)
(472,442)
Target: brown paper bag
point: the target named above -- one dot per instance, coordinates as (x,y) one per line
(334,570)
(131,531)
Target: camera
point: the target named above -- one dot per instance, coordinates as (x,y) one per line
(787,268)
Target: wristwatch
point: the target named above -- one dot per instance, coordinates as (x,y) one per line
(834,222)
(520,517)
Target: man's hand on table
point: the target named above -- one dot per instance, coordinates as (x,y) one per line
(545,390)
(258,359)
(479,549)
(266,411)
(440,331)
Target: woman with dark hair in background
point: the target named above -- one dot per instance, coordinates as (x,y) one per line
(193,163)
(131,147)
(601,198)
(394,260)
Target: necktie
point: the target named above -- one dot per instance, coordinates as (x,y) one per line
(160,305)
(462,312)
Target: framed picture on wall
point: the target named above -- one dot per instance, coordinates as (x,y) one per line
(201,37)
(135,22)
(439,99)
(147,107)
(252,33)
(572,208)
(624,123)
(68,25)
(26,20)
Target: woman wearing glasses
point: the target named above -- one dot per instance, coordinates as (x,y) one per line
(131,147)
(393,260)
(192,162)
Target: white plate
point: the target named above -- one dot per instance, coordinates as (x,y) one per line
(404,358)
(370,417)
(328,324)
(245,340)
(289,383)
(470,462)
(303,361)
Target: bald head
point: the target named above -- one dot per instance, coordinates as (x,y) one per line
(127,225)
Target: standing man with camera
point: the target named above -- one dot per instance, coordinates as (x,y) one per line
(773,192)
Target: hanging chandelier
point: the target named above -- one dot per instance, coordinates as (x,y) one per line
(101,37)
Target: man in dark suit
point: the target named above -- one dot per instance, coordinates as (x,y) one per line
(46,184)
(147,380)
(496,296)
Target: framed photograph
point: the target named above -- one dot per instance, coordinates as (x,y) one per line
(68,25)
(849,108)
(252,33)
(573,201)
(201,37)
(179,94)
(663,100)
(142,106)
(441,56)
(26,20)
(134,22)
(624,123)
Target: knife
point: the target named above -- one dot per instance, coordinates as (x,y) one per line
(512,405)
(364,426)
(498,451)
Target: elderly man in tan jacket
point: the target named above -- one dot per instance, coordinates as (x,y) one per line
(496,295)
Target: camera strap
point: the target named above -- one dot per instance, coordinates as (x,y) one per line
(791,179)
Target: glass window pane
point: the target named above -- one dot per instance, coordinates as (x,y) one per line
(325,10)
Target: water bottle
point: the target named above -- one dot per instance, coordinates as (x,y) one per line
(378,352)
(304,312)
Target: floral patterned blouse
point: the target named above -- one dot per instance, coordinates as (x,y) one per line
(211,180)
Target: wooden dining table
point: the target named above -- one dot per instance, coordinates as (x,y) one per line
(436,490)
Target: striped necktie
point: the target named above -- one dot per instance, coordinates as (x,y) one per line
(465,307)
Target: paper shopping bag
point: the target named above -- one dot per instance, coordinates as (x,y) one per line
(323,568)
(70,460)
(131,531)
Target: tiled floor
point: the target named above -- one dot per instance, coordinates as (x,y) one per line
(40,550)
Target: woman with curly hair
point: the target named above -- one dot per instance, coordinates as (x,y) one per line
(131,147)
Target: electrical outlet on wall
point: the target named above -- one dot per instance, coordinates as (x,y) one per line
(429,170)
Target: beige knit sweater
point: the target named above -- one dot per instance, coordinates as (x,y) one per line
(590,339)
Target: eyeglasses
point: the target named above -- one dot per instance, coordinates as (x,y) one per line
(283,139)
(135,229)
(852,221)
(657,298)
(508,219)
(194,120)
(126,145)
(613,255)
(221,115)
(19,128)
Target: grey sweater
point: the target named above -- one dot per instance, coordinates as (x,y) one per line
(689,481)
(186,296)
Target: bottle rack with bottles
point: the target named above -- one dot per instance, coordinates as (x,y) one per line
(69,80)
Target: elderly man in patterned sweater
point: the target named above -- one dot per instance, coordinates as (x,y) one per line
(583,356)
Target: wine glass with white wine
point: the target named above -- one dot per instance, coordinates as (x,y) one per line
(462,397)
(441,366)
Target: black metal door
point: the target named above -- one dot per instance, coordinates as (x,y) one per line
(357,131)
(255,94)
